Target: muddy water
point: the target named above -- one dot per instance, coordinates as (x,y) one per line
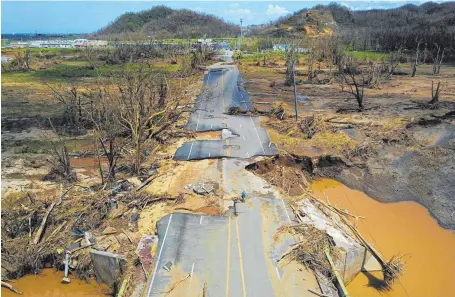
(47,284)
(88,164)
(405,228)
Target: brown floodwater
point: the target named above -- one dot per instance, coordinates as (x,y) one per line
(48,284)
(402,227)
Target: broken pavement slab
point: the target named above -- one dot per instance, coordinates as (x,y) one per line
(202,188)
(108,267)
(109,230)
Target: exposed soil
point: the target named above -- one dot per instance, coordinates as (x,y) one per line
(397,149)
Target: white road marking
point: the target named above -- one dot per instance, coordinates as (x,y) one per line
(198,116)
(240,125)
(191,148)
(209,154)
(248,154)
(211,126)
(277,272)
(257,134)
(159,256)
(191,278)
(200,221)
(243,137)
(286,210)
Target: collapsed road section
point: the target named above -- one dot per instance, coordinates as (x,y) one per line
(244,137)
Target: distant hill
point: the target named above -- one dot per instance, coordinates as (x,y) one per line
(306,22)
(375,29)
(162,22)
(389,29)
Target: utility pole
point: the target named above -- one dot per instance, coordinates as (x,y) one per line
(295,89)
(241,32)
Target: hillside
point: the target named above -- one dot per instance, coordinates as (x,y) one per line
(306,22)
(400,27)
(375,29)
(162,22)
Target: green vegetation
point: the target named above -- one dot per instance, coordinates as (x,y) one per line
(367,55)
(166,23)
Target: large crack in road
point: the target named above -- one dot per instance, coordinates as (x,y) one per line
(233,255)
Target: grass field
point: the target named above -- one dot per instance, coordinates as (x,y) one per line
(367,55)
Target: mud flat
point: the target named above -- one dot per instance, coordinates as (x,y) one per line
(405,228)
(48,283)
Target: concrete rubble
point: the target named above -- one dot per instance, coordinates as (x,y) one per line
(355,257)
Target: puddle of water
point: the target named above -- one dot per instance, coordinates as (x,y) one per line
(405,228)
(88,164)
(48,284)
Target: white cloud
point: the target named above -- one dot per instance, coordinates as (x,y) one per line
(234,5)
(276,10)
(239,11)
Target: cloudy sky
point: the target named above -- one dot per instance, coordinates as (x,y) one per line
(86,16)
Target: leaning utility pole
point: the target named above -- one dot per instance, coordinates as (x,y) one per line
(295,89)
(241,32)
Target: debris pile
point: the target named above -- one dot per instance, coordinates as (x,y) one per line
(327,233)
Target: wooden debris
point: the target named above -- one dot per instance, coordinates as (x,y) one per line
(176,284)
(43,224)
(9,286)
(80,248)
(318,294)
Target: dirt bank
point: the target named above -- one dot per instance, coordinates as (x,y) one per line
(398,148)
(405,228)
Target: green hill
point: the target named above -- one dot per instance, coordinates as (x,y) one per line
(162,22)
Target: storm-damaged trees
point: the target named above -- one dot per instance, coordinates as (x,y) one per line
(353,80)
(438,55)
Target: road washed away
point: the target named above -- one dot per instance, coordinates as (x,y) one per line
(242,137)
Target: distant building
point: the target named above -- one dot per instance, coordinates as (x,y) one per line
(285,47)
(57,44)
(81,43)
(18,44)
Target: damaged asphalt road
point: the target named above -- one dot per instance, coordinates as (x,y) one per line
(223,90)
(237,254)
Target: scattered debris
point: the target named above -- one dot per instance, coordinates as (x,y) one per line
(109,230)
(9,286)
(202,188)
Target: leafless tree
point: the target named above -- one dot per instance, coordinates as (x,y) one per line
(147,104)
(73,103)
(391,62)
(417,57)
(61,165)
(438,55)
(354,79)
(435,93)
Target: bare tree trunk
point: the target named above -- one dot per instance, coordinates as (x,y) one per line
(435,93)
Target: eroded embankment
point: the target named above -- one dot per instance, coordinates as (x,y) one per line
(405,228)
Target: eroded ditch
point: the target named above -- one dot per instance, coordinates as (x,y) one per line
(406,227)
